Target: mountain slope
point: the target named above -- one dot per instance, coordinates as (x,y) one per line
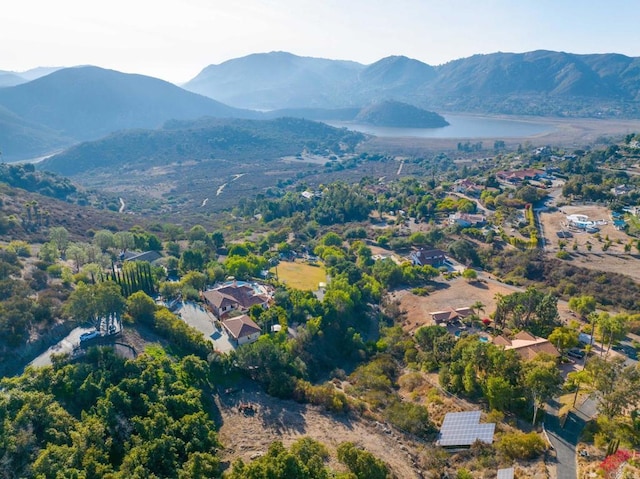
(276,80)
(204,139)
(22,139)
(392,77)
(88,102)
(10,79)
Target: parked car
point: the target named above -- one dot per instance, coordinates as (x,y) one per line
(575,353)
(627,350)
(89,336)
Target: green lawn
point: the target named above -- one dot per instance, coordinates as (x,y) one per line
(300,275)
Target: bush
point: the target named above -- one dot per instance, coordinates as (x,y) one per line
(361,463)
(518,445)
(55,270)
(410,417)
(563,255)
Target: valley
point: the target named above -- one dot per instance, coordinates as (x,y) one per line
(239,294)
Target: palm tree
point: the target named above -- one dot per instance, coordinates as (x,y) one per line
(478,306)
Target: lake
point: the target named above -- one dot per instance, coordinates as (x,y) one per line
(461,126)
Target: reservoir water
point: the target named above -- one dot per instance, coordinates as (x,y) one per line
(461,126)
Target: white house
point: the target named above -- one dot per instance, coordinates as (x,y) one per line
(242,329)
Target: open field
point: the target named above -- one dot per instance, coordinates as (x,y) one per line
(613,260)
(300,275)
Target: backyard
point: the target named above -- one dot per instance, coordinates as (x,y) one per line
(300,275)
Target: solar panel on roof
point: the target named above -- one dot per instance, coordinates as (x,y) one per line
(506,473)
(464,428)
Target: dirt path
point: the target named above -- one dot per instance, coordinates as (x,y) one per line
(248,436)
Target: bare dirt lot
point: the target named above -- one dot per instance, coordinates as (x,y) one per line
(457,293)
(248,435)
(613,260)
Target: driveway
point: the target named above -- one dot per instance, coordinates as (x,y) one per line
(204,321)
(64,346)
(564,439)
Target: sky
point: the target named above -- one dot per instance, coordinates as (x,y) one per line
(175,39)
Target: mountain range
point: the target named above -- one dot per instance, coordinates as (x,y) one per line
(479,83)
(8,78)
(55,108)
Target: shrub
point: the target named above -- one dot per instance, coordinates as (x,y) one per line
(518,445)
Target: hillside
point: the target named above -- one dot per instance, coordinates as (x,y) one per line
(539,82)
(89,102)
(201,140)
(400,115)
(20,139)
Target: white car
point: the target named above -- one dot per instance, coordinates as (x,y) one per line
(89,335)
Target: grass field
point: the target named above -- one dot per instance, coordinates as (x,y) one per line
(300,275)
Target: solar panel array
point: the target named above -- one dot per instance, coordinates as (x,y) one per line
(464,428)
(506,473)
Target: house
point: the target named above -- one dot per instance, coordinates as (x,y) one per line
(234,296)
(466,219)
(466,187)
(431,257)
(450,314)
(518,176)
(620,190)
(527,345)
(242,329)
(445,316)
(462,429)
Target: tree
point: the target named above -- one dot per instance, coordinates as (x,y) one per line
(616,385)
(470,275)
(124,240)
(78,255)
(60,237)
(478,307)
(611,328)
(564,338)
(582,305)
(361,463)
(542,380)
(141,307)
(197,233)
(104,240)
(499,392)
(96,302)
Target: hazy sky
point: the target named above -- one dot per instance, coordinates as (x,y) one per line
(175,39)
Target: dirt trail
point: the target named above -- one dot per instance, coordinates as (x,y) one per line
(248,435)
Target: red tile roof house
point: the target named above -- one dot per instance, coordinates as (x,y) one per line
(242,329)
(527,345)
(518,176)
(233,297)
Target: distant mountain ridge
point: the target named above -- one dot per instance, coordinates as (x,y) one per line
(497,82)
(84,103)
